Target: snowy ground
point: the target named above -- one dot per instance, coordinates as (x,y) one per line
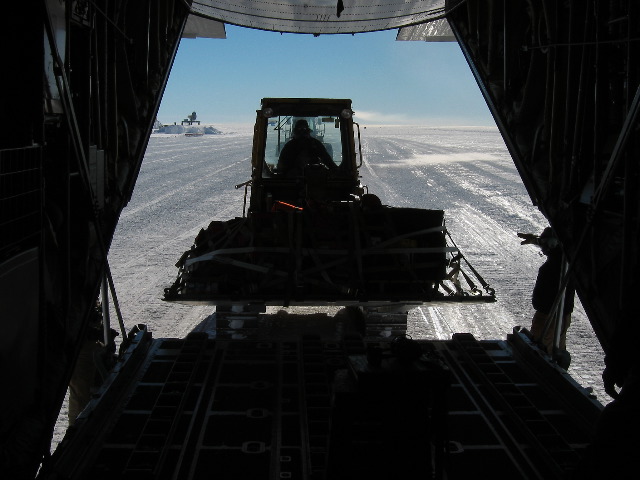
(185,182)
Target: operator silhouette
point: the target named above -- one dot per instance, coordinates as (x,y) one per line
(545,291)
(303,150)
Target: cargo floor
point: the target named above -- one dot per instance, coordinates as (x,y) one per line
(330,404)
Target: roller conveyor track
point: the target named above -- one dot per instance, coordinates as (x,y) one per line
(317,407)
(536,428)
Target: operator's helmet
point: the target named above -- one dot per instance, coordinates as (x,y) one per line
(301,129)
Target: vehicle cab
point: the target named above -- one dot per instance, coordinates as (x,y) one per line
(328,173)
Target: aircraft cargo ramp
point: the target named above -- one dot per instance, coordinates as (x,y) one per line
(315,398)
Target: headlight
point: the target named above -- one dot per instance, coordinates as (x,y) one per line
(267,112)
(346,113)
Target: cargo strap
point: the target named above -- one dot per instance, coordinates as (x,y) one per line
(217,254)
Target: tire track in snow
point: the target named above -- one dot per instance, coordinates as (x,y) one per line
(127,212)
(172,202)
(388,194)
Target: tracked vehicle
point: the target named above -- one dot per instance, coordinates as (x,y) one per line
(312,236)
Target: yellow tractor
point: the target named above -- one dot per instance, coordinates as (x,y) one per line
(311,235)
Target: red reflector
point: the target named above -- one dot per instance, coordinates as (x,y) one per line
(279,206)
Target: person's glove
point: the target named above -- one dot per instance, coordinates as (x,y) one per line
(529,238)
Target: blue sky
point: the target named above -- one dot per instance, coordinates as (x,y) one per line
(390,82)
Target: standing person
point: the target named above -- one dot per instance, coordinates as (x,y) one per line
(546,289)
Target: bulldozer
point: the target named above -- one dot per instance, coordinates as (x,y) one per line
(313,234)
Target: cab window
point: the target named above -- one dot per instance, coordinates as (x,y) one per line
(326,129)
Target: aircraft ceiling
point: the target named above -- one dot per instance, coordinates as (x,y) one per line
(323,16)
